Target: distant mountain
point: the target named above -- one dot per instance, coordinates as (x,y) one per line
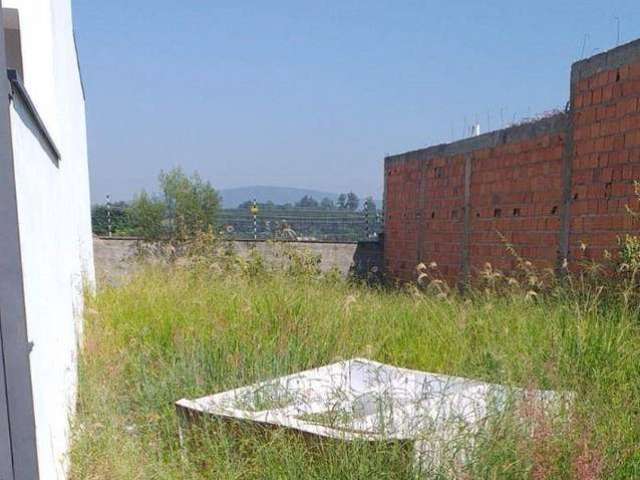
(232,197)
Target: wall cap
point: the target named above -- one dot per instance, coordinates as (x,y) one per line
(556,123)
(609,60)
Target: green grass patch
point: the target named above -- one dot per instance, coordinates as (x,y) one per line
(174,332)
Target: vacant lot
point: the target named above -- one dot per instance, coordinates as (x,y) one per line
(173,332)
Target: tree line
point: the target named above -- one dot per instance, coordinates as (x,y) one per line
(346,202)
(186,205)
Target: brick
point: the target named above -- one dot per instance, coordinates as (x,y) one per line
(596,96)
(634,71)
(617,91)
(627,106)
(599,80)
(631,87)
(625,72)
(607,93)
(632,139)
(525,177)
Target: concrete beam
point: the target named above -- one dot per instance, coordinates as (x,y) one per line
(421,213)
(466,232)
(611,59)
(565,208)
(544,126)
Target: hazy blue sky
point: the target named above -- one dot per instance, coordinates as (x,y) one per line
(315,93)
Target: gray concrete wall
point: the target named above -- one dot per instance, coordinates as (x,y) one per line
(115,258)
(332,255)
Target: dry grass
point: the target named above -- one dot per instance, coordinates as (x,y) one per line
(216,324)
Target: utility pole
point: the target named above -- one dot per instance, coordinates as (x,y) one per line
(366,218)
(109,215)
(254,211)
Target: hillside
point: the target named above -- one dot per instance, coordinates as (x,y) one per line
(232,197)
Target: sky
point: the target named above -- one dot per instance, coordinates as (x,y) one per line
(314,94)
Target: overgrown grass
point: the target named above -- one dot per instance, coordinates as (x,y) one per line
(174,332)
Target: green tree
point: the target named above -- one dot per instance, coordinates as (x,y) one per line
(191,203)
(147,216)
(185,206)
(353,202)
(120,219)
(307,202)
(327,204)
(342,201)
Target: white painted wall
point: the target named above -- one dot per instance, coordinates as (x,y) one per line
(54,219)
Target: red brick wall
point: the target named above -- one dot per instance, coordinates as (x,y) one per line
(401,248)
(606,133)
(548,188)
(443,215)
(516,194)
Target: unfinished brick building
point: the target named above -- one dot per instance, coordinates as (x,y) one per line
(546,187)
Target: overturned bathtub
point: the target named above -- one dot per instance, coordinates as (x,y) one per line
(439,416)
